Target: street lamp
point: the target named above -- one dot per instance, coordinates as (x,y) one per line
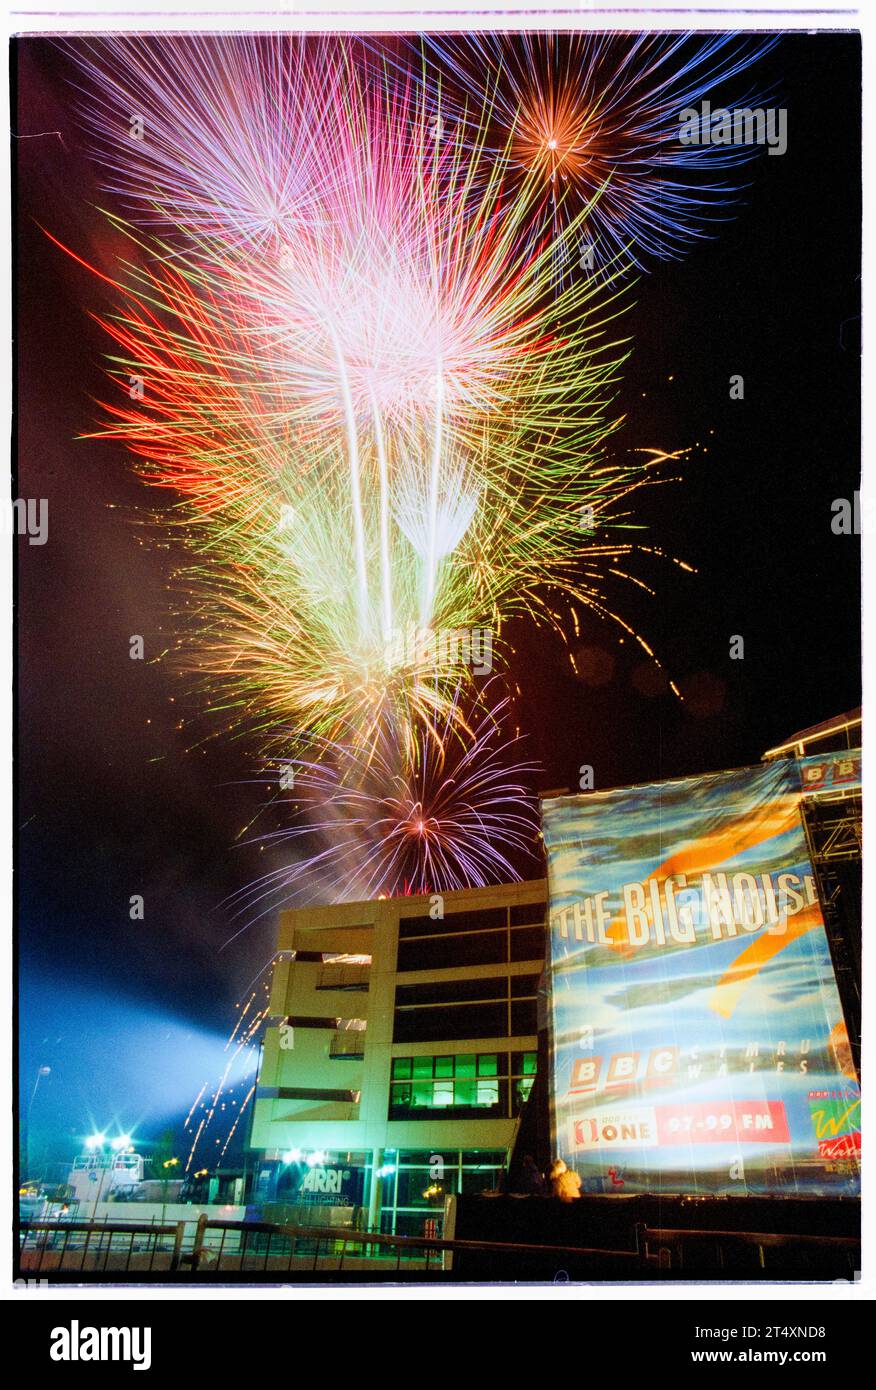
(95,1142)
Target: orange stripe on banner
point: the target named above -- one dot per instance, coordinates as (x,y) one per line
(739,836)
(725,995)
(710,851)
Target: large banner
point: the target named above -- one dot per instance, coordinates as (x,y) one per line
(698,1043)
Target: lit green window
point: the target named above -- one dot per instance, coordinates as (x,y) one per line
(401,1068)
(442,1093)
(488,1064)
(422,1067)
(422,1093)
(443,1066)
(524,1063)
(465,1064)
(488,1093)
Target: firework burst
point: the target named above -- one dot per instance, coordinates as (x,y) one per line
(377,429)
(593,120)
(383,417)
(460,814)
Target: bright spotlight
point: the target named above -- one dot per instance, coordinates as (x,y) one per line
(95,1141)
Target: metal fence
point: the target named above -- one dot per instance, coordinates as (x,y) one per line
(218,1247)
(88,1247)
(215,1247)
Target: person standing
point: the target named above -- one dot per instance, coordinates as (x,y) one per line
(565,1183)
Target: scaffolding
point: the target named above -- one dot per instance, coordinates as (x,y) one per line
(833,823)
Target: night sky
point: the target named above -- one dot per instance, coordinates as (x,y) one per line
(116,798)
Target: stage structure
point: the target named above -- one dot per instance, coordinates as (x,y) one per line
(833,821)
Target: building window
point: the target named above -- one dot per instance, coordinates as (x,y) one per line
(483,1085)
(454,949)
(492,936)
(483,920)
(500,1006)
(528,914)
(414,1192)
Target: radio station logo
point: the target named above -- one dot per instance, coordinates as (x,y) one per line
(615,1129)
(836,1119)
(663,1126)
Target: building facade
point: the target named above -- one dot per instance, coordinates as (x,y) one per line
(400,1051)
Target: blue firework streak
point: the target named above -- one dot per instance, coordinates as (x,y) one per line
(598,118)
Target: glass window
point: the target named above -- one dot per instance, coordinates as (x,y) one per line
(524,1063)
(415,1183)
(479,1083)
(488,1093)
(522,1089)
(466,1092)
(482,919)
(524,1017)
(442,1093)
(443,952)
(447,1024)
(525,913)
(528,943)
(480,1179)
(421,1094)
(454,991)
(401,1068)
(524,986)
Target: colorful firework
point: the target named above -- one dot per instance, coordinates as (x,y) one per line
(594,121)
(461,814)
(340,341)
(378,428)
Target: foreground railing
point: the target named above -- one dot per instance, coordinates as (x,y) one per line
(88,1247)
(218,1247)
(261,1246)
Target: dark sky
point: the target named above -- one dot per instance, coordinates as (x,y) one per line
(112,801)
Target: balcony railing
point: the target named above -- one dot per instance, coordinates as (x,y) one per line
(348,1043)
